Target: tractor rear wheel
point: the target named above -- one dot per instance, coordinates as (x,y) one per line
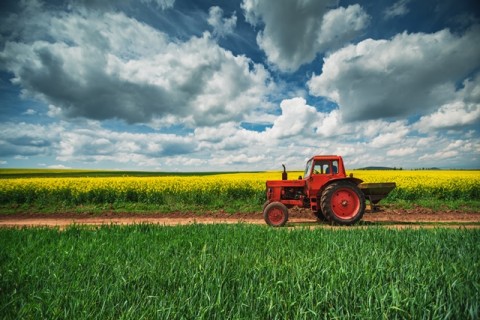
(320,216)
(343,203)
(275,214)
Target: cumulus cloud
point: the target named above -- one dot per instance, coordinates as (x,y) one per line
(107,65)
(449,116)
(439,155)
(296,31)
(221,26)
(98,144)
(463,110)
(331,124)
(401,152)
(26,139)
(393,135)
(409,74)
(293,137)
(297,118)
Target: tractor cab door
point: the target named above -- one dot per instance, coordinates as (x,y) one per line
(322,171)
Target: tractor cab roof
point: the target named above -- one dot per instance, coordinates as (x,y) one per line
(325,157)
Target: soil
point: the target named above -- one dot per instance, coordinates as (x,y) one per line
(386,217)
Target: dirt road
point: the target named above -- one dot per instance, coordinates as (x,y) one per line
(395,218)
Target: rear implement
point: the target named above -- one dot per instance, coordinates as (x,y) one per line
(375,192)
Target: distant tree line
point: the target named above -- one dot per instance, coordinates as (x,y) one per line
(395,168)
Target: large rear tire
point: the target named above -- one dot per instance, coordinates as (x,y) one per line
(320,216)
(275,214)
(343,203)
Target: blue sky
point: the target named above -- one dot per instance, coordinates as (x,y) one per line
(182,85)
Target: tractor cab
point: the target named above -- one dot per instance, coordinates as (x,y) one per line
(324,165)
(320,170)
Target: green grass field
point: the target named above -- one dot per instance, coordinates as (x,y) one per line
(238,272)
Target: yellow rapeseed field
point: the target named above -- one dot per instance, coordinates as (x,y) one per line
(221,188)
(439,184)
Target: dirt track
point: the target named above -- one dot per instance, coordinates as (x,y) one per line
(395,218)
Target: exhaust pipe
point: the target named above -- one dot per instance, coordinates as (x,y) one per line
(284,173)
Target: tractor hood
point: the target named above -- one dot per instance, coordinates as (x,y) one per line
(285,183)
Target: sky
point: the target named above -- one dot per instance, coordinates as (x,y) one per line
(245,85)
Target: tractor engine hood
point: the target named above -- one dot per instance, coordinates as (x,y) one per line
(285,183)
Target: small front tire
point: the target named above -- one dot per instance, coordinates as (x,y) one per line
(275,214)
(265,204)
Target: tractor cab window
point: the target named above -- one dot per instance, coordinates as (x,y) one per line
(307,169)
(325,167)
(321,167)
(334,167)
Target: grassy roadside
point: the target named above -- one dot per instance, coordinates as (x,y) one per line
(231,207)
(434,204)
(140,208)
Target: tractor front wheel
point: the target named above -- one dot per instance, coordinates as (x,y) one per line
(265,204)
(343,203)
(275,214)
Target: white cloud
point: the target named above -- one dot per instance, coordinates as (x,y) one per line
(238,159)
(93,145)
(391,135)
(106,65)
(24,139)
(297,118)
(439,155)
(296,31)
(451,115)
(54,112)
(401,152)
(331,125)
(397,9)
(463,110)
(221,26)
(163,4)
(294,136)
(407,75)
(339,26)
(19,157)
(58,166)
(29,112)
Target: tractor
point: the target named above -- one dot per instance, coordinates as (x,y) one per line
(326,190)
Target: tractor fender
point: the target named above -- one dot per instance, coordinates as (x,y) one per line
(353,180)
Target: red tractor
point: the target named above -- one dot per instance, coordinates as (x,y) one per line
(326,190)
